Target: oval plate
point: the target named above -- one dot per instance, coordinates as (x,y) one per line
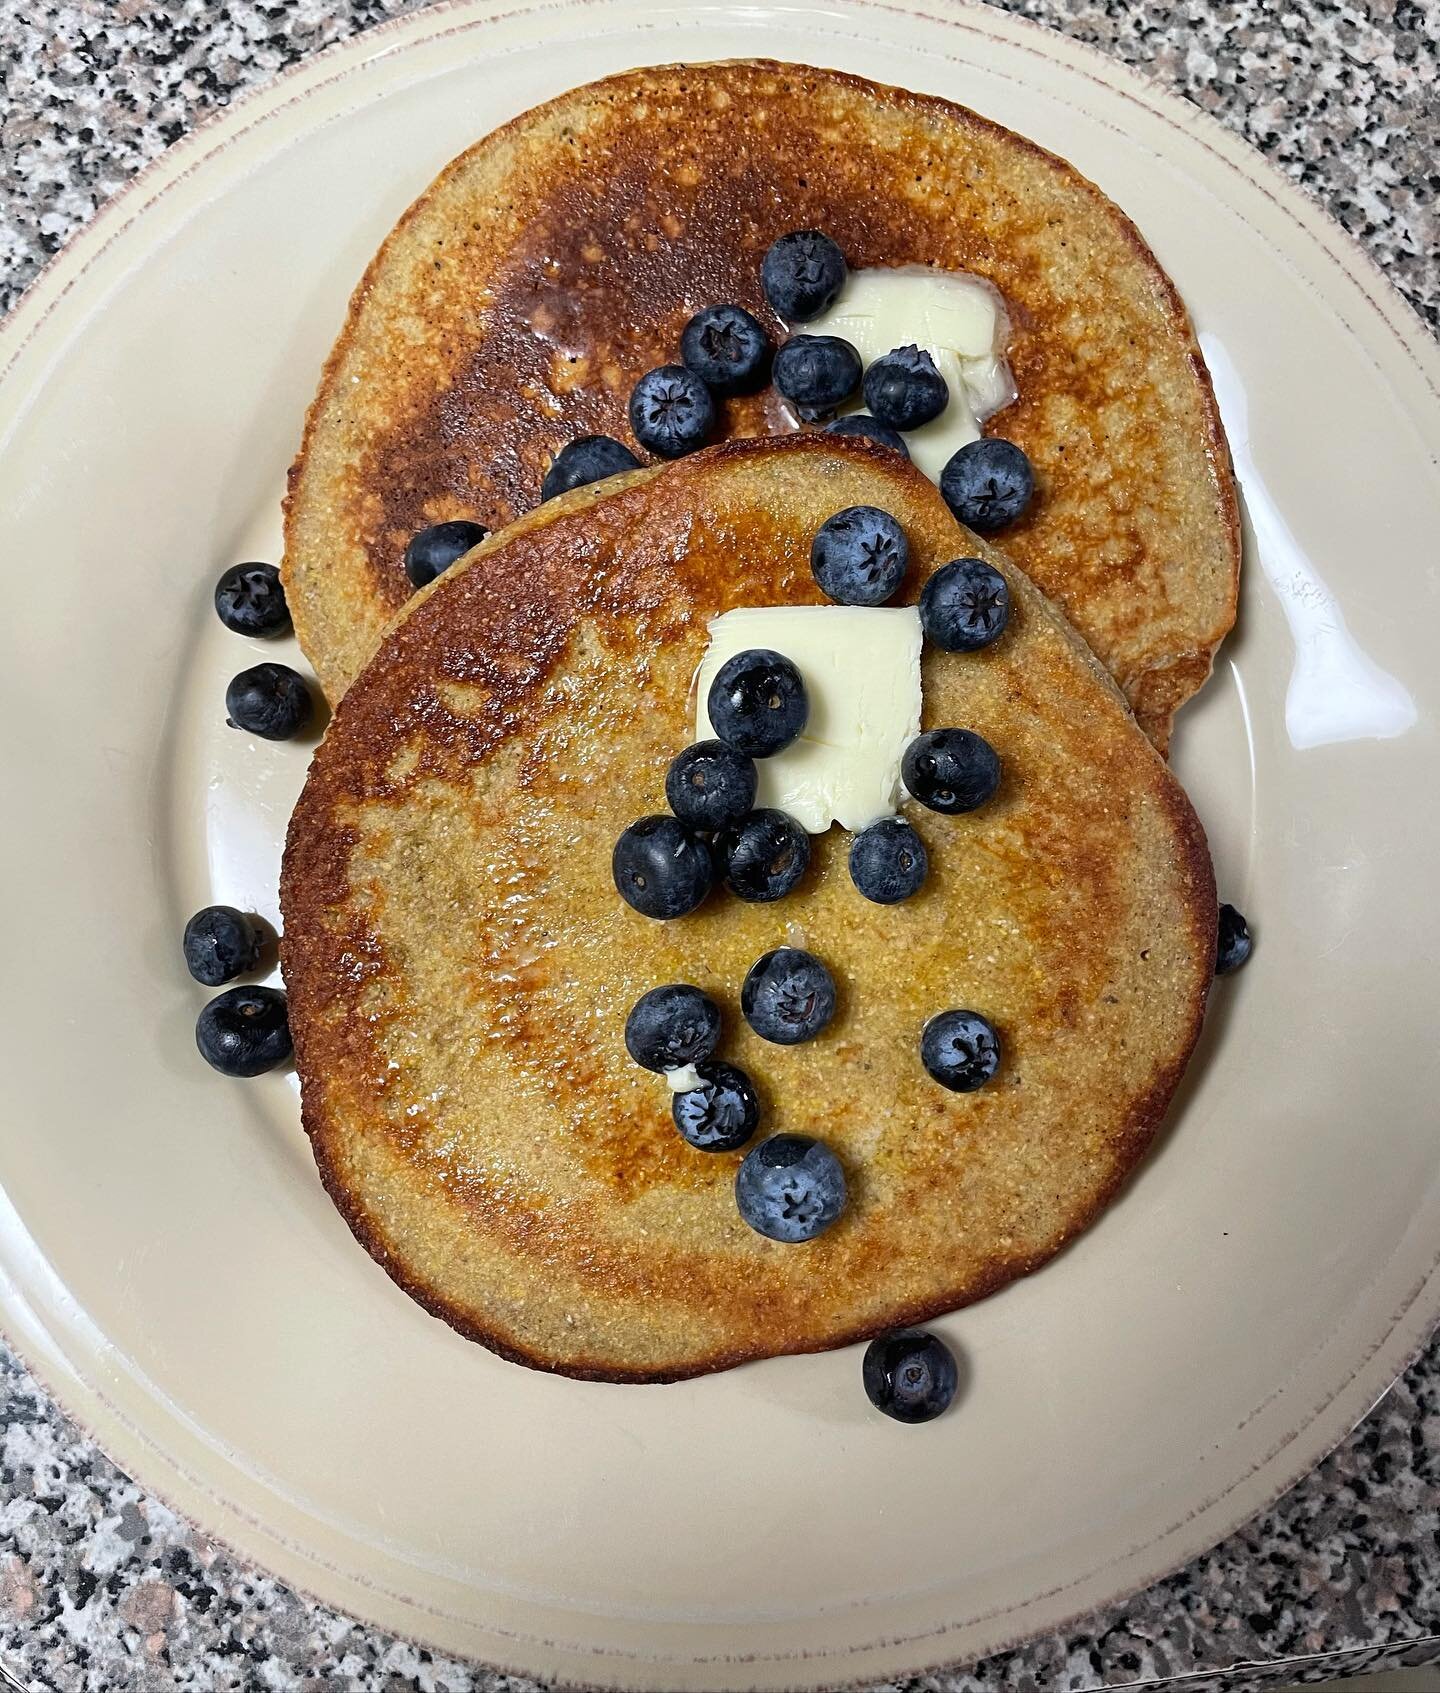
(167,1258)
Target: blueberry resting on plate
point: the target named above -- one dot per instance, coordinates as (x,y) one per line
(727,348)
(1233,943)
(802,273)
(269,700)
(672,1026)
(222,943)
(950,770)
(671,411)
(757,702)
(722,1113)
(861,423)
(960,1049)
(662,868)
(790,1188)
(905,390)
(888,861)
(432,551)
(250,599)
(788,996)
(987,484)
(817,373)
(910,1376)
(763,856)
(965,605)
(244,1031)
(859,556)
(586,459)
(710,785)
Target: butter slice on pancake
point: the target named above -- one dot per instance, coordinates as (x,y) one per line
(460,966)
(517,301)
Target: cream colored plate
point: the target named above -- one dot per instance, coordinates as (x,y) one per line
(168,1259)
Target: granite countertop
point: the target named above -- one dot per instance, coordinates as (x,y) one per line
(101,1587)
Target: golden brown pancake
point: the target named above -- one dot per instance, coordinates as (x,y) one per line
(460,966)
(545,269)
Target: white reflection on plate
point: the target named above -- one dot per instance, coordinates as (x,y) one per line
(1337,692)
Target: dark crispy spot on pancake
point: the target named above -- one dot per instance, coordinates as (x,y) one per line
(468,1076)
(635,223)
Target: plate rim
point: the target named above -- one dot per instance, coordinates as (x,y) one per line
(108,1424)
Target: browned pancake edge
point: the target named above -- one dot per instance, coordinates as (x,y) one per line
(516,301)
(746,510)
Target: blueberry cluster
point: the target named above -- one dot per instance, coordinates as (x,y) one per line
(269,700)
(246,1030)
(243,1031)
(789,1187)
(724,350)
(987,484)
(664,866)
(859,557)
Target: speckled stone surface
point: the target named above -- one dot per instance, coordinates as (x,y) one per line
(102,1588)
(1342,96)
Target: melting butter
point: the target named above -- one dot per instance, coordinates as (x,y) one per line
(684,1078)
(959,319)
(861,668)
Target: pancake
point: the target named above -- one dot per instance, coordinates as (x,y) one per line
(520,297)
(460,966)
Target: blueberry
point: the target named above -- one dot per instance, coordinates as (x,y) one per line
(431,552)
(888,861)
(244,1031)
(861,423)
(672,1026)
(859,556)
(790,1188)
(250,599)
(727,349)
(788,996)
(221,944)
(710,785)
(910,1376)
(965,605)
(763,856)
(987,484)
(905,390)
(950,770)
(586,459)
(960,1050)
(270,700)
(817,373)
(662,868)
(722,1113)
(757,702)
(1233,944)
(671,411)
(802,273)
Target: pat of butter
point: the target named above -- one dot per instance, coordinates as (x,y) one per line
(915,304)
(958,319)
(682,1079)
(861,668)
